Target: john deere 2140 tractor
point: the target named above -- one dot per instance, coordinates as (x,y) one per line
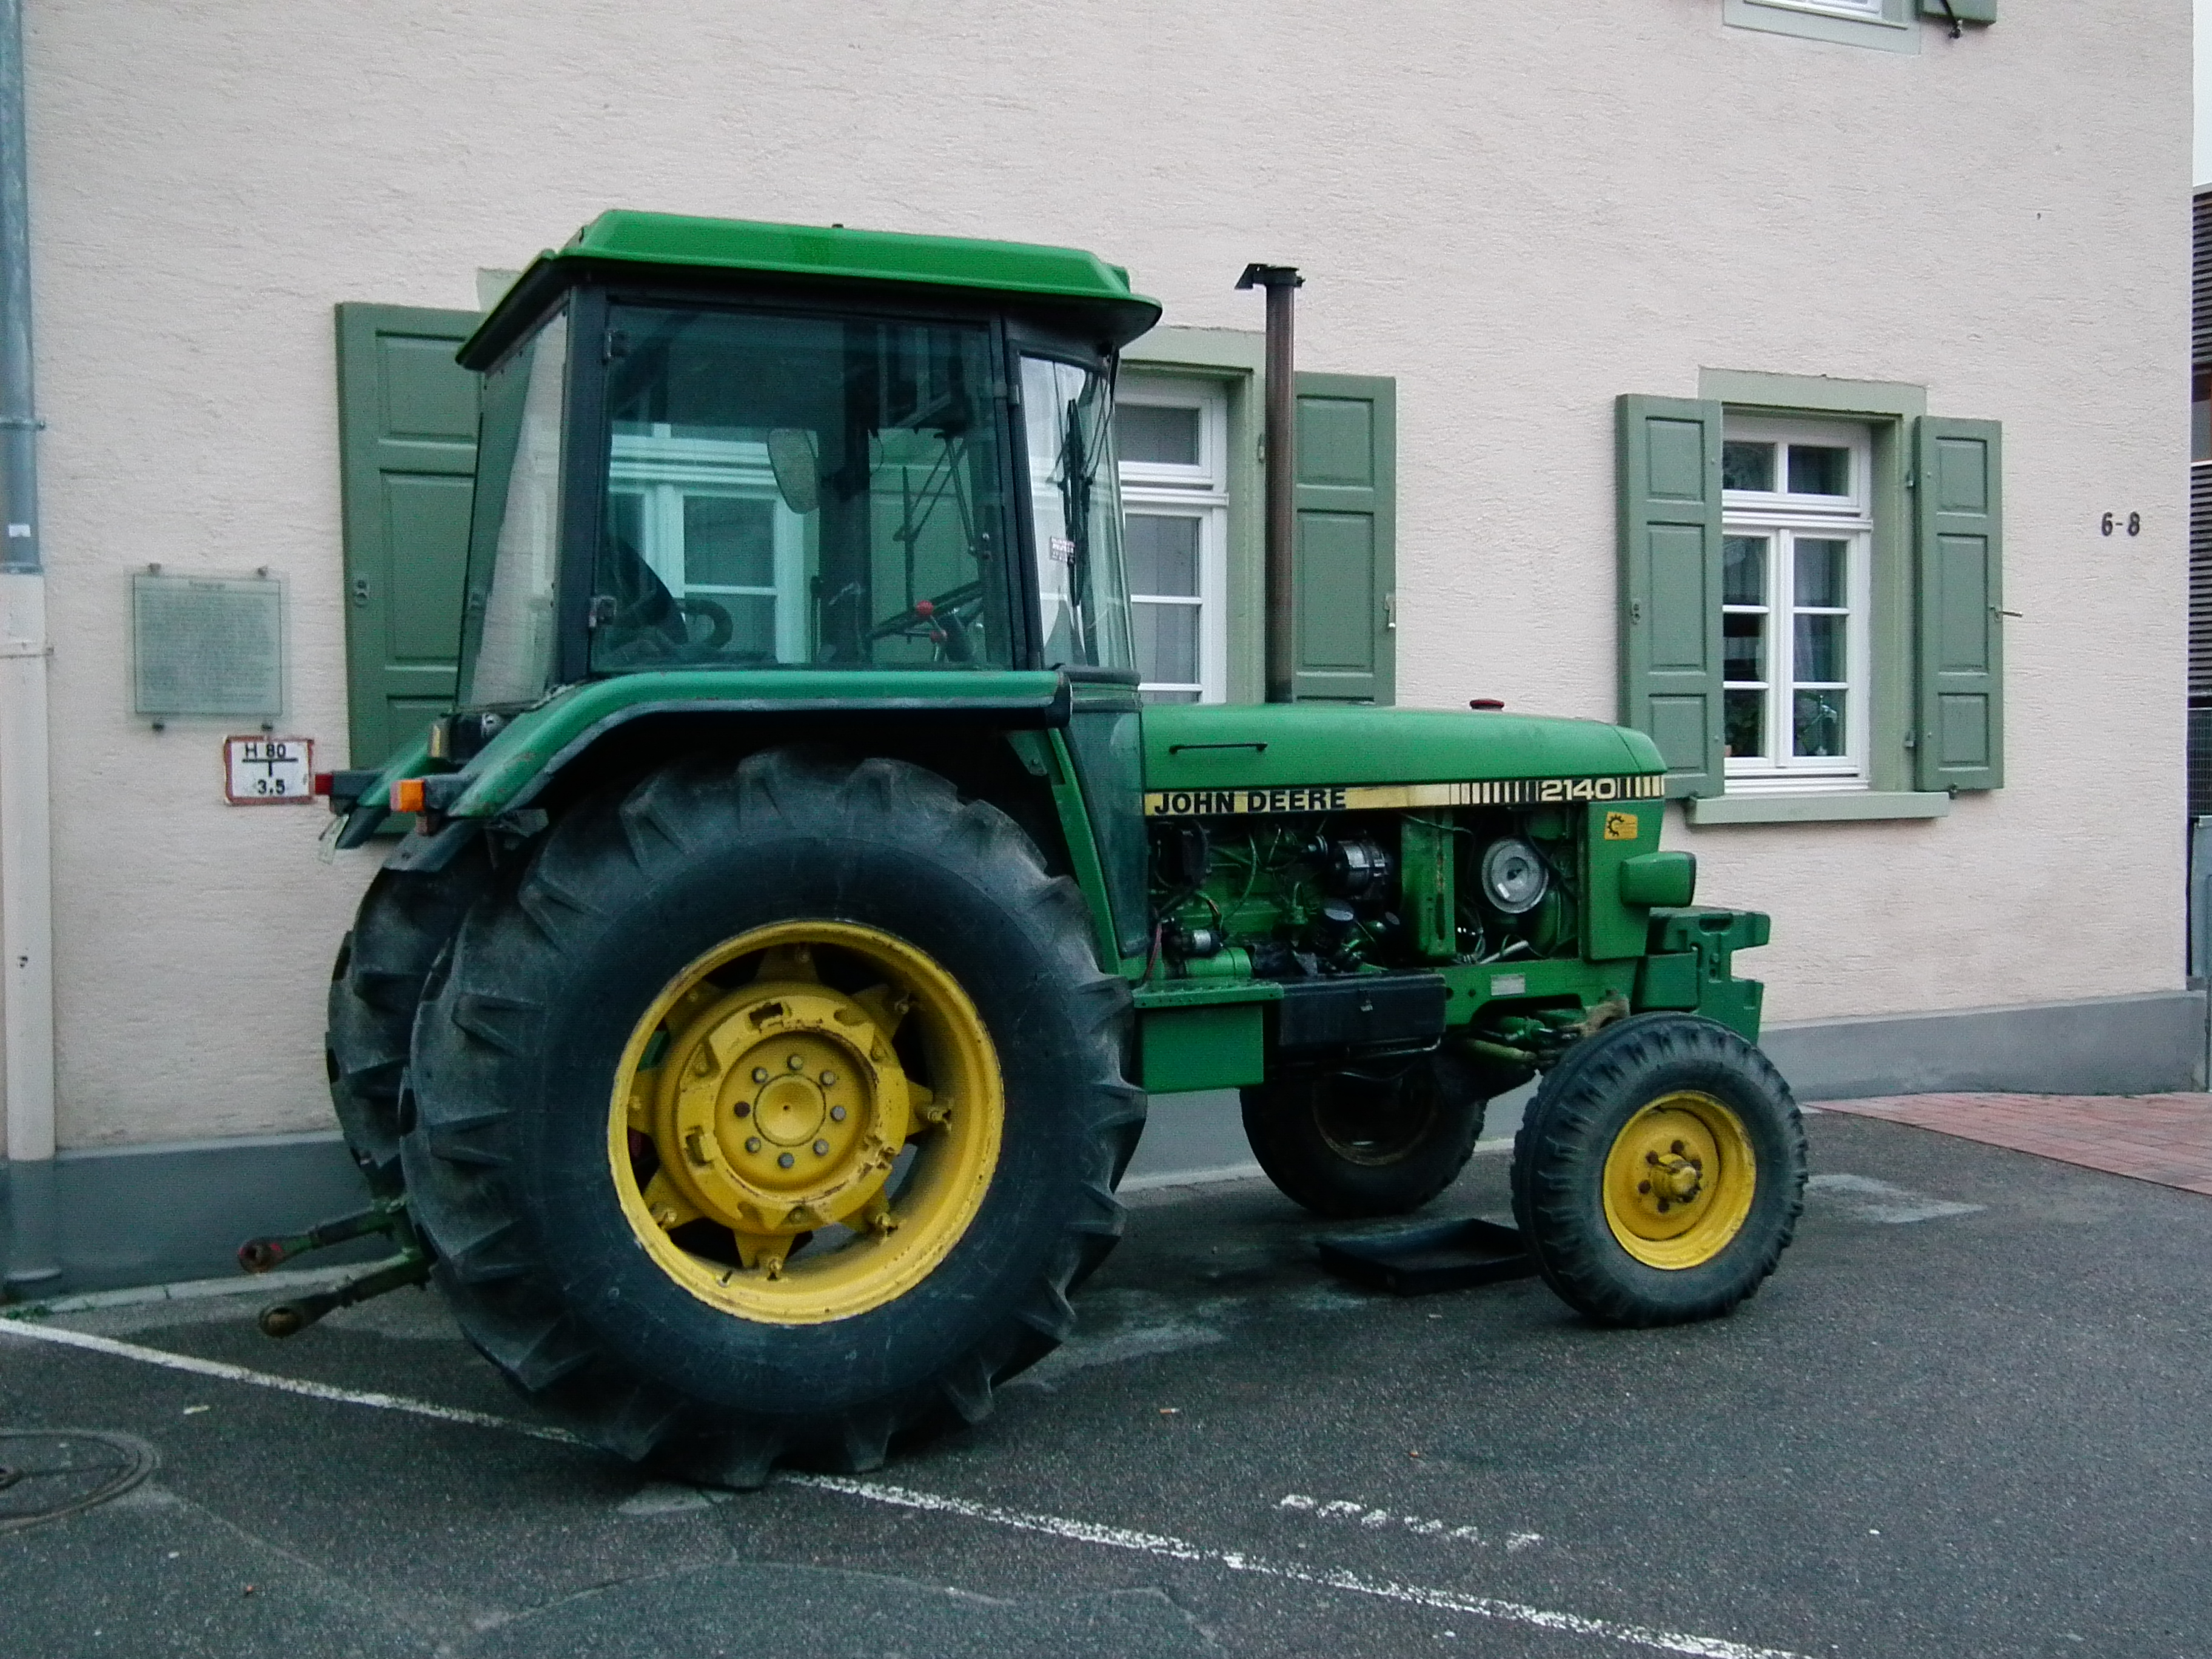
(799,903)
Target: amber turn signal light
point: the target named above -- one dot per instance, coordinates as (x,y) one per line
(407,795)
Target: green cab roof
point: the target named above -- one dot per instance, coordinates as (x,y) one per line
(1017,271)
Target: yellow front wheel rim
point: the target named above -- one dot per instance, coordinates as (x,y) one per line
(1679,1180)
(804,1121)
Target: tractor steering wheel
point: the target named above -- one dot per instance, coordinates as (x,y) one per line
(720,628)
(659,628)
(943,621)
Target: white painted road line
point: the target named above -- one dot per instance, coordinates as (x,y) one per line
(230,1373)
(199,1289)
(1350,1509)
(1337,1578)
(1052,1526)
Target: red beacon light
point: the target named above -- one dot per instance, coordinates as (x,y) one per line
(1486,702)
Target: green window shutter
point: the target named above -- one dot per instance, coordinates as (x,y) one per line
(1959,737)
(407,437)
(1345,567)
(1669,463)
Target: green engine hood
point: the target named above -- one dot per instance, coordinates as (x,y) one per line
(1269,745)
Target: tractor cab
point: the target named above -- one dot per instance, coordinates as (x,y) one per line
(711,444)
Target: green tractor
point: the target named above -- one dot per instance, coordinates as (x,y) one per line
(751,1031)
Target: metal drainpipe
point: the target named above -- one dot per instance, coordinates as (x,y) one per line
(27,926)
(1282,283)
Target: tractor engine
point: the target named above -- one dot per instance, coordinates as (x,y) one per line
(1301,896)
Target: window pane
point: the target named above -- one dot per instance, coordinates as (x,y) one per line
(1166,642)
(1744,717)
(1169,697)
(1743,570)
(514,538)
(1162,551)
(1820,649)
(1163,437)
(752,621)
(1743,646)
(1816,470)
(728,542)
(1076,497)
(1819,723)
(1746,466)
(1820,574)
(626,523)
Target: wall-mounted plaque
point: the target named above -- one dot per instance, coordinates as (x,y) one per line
(207,645)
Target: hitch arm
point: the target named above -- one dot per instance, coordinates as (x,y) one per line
(258,1255)
(387,1216)
(289,1318)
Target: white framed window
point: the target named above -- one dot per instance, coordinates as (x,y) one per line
(704,514)
(1796,543)
(1172,436)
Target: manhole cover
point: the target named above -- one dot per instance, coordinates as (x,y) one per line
(47,1474)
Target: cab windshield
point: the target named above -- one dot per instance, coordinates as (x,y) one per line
(800,490)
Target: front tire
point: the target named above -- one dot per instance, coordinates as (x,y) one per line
(1382,1138)
(907,1009)
(1660,1171)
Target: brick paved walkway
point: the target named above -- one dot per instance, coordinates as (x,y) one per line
(2166,1139)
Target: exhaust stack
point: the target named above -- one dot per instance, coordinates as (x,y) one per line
(1282,283)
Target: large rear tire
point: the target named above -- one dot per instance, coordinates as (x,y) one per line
(770,1113)
(405,919)
(1379,1139)
(1660,1171)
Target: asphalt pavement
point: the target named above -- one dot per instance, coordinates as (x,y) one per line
(1968,1417)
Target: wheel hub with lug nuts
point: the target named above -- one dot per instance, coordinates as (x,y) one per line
(1677,1175)
(779,1107)
(1678,1181)
(787,1103)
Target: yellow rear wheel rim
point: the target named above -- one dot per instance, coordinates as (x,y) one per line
(1679,1180)
(804,1121)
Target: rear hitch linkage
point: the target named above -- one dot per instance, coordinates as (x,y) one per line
(387,1216)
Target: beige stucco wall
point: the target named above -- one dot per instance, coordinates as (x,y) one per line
(1518,211)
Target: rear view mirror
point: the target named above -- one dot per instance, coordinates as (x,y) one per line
(798,476)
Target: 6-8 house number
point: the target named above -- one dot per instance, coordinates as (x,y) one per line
(2132,524)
